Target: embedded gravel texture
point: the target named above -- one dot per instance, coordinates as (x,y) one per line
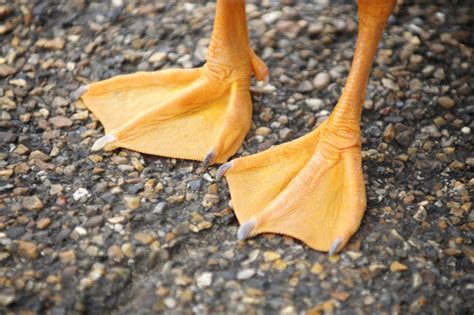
(124,233)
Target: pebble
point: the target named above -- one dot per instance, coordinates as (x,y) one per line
(321,81)
(51,44)
(43,223)
(159,208)
(245,274)
(305,86)
(397,267)
(317,268)
(115,253)
(7,104)
(32,203)
(6,70)
(263,131)
(285,133)
(131,202)
(271,256)
(27,250)
(67,257)
(204,280)
(144,238)
(272,17)
(315,104)
(127,249)
(446,102)
(158,57)
(97,220)
(61,121)
(80,193)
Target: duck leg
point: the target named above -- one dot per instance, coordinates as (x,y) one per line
(197,114)
(312,188)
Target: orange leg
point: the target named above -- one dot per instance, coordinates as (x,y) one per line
(198,114)
(312,188)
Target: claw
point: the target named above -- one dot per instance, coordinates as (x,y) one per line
(334,246)
(245,229)
(224,168)
(77,93)
(266,80)
(102,142)
(209,159)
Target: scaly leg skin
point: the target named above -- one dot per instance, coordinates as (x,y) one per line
(199,114)
(312,188)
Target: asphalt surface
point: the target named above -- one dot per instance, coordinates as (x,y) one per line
(124,233)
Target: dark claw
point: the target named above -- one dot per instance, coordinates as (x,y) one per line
(208,159)
(224,168)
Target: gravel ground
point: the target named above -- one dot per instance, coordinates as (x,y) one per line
(126,233)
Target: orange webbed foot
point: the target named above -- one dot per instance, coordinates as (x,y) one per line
(198,114)
(311,189)
(176,113)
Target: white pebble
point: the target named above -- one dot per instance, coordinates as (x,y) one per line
(81,192)
(245,274)
(204,280)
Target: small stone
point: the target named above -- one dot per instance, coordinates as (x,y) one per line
(404,138)
(144,238)
(204,280)
(181,228)
(271,17)
(389,133)
(94,221)
(245,274)
(6,70)
(7,104)
(280,265)
(271,256)
(115,253)
(466,130)
(446,102)
(21,149)
(321,81)
(389,84)
(61,121)
(43,223)
(60,101)
(409,199)
(317,268)
(397,267)
(127,249)
(160,206)
(83,115)
(137,165)
(6,299)
(32,203)
(39,155)
(369,300)
(158,57)
(7,137)
(67,257)
(263,131)
(56,189)
(27,250)
(80,193)
(51,44)
(315,104)
(305,86)
(131,202)
(285,133)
